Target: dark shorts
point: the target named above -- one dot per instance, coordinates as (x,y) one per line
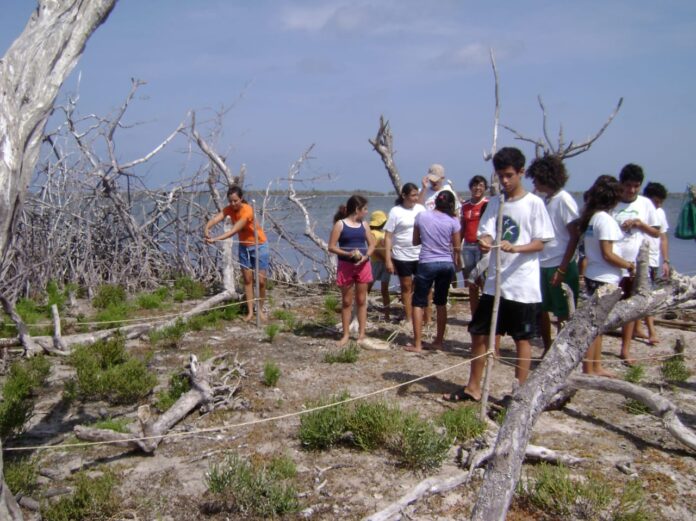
(593,285)
(626,285)
(553,298)
(247,257)
(405,268)
(517,319)
(438,274)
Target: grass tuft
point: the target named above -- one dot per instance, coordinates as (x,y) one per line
(271,373)
(109,295)
(191,289)
(634,373)
(112,424)
(93,499)
(21,473)
(288,318)
(420,446)
(261,490)
(346,355)
(179,384)
(374,424)
(674,369)
(463,423)
(272,331)
(169,336)
(323,428)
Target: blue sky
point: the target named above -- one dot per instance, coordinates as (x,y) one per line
(303,72)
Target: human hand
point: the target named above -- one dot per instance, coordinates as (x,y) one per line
(507,247)
(390,267)
(557,278)
(208,240)
(485,243)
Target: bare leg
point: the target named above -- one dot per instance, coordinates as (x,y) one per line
(417,315)
(626,336)
(441,321)
(473,297)
(428,310)
(346,311)
(248,276)
(652,334)
(386,300)
(524,362)
(407,295)
(478,348)
(361,304)
(593,360)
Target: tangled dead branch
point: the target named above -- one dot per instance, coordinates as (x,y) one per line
(214,384)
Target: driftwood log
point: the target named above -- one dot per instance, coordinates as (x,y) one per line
(383,143)
(214,384)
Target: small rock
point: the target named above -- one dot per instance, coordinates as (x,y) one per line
(29,503)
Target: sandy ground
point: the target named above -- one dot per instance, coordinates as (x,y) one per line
(349,484)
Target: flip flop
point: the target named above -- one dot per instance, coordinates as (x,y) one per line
(459,396)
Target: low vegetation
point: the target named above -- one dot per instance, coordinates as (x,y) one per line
(261,489)
(21,473)
(178,385)
(272,331)
(24,379)
(674,369)
(112,424)
(553,491)
(105,371)
(345,355)
(271,373)
(93,499)
(418,444)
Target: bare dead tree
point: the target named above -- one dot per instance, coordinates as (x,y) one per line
(31,73)
(561,149)
(383,143)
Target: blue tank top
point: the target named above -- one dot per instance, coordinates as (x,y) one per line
(352,239)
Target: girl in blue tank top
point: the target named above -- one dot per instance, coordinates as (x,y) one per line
(352,241)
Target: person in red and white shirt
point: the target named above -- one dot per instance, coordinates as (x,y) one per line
(471,213)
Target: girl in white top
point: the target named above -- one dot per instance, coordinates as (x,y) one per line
(604,266)
(401,256)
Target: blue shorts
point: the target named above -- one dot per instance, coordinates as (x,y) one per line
(471,255)
(247,257)
(379,271)
(428,274)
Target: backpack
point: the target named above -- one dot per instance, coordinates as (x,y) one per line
(686,225)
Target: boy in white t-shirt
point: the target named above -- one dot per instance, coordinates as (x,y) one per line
(526,227)
(636,216)
(659,254)
(557,259)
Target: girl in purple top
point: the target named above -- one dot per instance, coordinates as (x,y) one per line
(438,233)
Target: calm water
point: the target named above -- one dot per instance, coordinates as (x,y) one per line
(682,253)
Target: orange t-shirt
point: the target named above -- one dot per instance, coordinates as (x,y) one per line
(246,234)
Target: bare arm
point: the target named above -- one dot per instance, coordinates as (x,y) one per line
(531,247)
(416,236)
(607,249)
(241,223)
(574,232)
(664,252)
(216,219)
(387,252)
(333,240)
(457,247)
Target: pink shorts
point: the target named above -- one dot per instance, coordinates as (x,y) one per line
(349,273)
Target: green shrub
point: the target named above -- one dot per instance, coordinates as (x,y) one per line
(634,373)
(288,318)
(259,490)
(191,288)
(271,373)
(374,424)
(179,295)
(112,315)
(149,300)
(109,295)
(106,372)
(23,379)
(93,499)
(112,424)
(169,336)
(346,355)
(632,503)
(272,331)
(21,473)
(55,295)
(331,307)
(551,489)
(463,423)
(674,369)
(323,428)
(178,385)
(420,446)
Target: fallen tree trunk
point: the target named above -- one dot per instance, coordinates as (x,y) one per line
(213,385)
(659,405)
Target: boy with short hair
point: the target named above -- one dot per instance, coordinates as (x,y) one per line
(659,253)
(636,216)
(557,259)
(472,210)
(526,227)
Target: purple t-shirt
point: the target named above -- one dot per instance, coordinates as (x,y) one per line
(436,229)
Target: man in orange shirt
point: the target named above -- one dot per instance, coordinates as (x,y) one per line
(242,216)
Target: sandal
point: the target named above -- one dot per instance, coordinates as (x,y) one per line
(459,396)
